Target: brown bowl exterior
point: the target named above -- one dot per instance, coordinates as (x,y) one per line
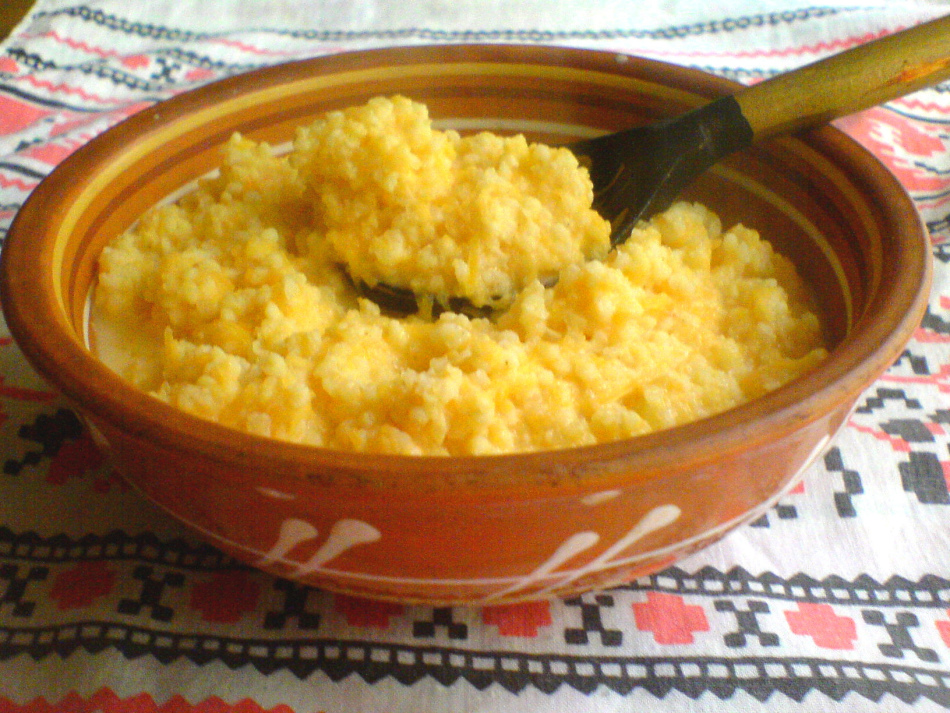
(477,529)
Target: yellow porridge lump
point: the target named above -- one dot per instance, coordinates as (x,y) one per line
(476,217)
(231,304)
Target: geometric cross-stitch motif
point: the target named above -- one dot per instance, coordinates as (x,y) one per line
(367,612)
(899,631)
(294,607)
(442,619)
(50,432)
(884,395)
(783,511)
(819,621)
(15,580)
(932,321)
(669,619)
(851,480)
(926,477)
(591,621)
(226,596)
(151,594)
(522,619)
(747,620)
(908,429)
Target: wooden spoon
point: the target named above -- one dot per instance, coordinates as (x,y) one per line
(640,171)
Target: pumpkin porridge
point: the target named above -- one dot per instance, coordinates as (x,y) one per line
(231,303)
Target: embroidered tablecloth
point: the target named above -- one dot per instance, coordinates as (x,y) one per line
(838,598)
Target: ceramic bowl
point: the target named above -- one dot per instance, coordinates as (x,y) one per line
(479,530)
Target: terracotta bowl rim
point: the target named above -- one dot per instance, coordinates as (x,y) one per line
(44,335)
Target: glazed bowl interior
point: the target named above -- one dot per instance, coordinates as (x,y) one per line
(809,197)
(816,198)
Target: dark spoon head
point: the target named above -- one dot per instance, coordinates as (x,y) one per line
(401,302)
(640,172)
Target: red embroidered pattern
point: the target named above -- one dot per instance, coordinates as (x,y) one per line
(669,618)
(819,621)
(366,613)
(106,701)
(226,597)
(518,619)
(81,585)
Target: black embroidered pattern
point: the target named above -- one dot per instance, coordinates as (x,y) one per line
(47,432)
(296,627)
(374,661)
(22,170)
(850,479)
(152,31)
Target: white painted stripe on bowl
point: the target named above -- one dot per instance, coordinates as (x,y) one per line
(552,578)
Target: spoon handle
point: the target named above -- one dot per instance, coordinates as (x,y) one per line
(847,82)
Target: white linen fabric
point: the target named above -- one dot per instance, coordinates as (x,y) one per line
(837,598)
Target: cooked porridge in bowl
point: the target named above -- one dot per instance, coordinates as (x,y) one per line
(233,303)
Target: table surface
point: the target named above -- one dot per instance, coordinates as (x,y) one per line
(836,598)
